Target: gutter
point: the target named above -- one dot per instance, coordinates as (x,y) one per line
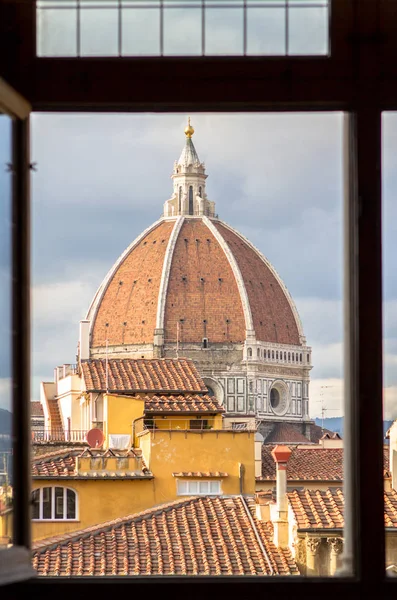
(257,535)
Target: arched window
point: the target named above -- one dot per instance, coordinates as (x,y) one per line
(52,503)
(308,358)
(285,356)
(276,355)
(205,343)
(258,352)
(273,354)
(268,353)
(301,358)
(190,200)
(289,356)
(293,357)
(296,357)
(249,352)
(200,192)
(180,200)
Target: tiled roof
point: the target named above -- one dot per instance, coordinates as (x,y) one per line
(62,464)
(317,433)
(315,509)
(196,536)
(36,409)
(201,474)
(286,433)
(134,375)
(191,403)
(314,464)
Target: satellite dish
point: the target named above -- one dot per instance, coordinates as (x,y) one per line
(95,437)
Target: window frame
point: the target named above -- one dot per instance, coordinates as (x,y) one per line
(198,493)
(53,518)
(358,77)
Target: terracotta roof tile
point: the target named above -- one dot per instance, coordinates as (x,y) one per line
(191,403)
(145,375)
(196,536)
(314,464)
(36,409)
(324,509)
(201,474)
(62,463)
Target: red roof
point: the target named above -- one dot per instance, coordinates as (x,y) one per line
(36,409)
(143,375)
(314,464)
(196,536)
(324,509)
(192,403)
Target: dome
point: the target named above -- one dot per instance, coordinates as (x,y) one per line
(190,282)
(195,277)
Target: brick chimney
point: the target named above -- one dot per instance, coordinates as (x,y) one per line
(281,456)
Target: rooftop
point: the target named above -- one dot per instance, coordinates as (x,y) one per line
(314,464)
(196,536)
(143,375)
(324,509)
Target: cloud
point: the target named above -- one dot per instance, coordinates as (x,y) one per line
(327,394)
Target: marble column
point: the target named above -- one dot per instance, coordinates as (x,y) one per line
(312,548)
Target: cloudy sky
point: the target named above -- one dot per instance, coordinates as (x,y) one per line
(277,178)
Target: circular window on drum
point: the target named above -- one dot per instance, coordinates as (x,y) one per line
(279,398)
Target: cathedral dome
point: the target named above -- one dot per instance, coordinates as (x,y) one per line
(191,277)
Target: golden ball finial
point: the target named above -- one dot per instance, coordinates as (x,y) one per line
(189,129)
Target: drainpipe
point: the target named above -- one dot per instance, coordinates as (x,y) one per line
(241,471)
(281,455)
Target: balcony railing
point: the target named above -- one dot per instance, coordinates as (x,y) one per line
(59,435)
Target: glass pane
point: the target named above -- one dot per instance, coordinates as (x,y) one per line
(57,32)
(71,504)
(193,487)
(47,503)
(308,31)
(128,158)
(99,32)
(204,487)
(5,328)
(36,504)
(182,31)
(224,32)
(182,487)
(140,32)
(215,487)
(59,503)
(389,271)
(266,31)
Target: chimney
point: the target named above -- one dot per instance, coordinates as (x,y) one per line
(84,342)
(262,505)
(258,454)
(281,455)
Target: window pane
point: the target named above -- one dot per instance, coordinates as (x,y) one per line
(47,503)
(141,32)
(5,320)
(308,31)
(57,32)
(204,487)
(59,503)
(36,504)
(193,487)
(99,31)
(266,31)
(182,31)
(223,31)
(215,487)
(182,487)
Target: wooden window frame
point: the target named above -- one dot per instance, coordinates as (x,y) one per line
(358,78)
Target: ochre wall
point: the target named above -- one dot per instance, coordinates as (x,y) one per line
(119,413)
(98,501)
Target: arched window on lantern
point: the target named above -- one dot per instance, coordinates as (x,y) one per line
(180,200)
(190,200)
(249,352)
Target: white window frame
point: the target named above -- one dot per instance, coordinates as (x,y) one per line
(189,483)
(53,519)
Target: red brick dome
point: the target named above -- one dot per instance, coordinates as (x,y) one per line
(196,275)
